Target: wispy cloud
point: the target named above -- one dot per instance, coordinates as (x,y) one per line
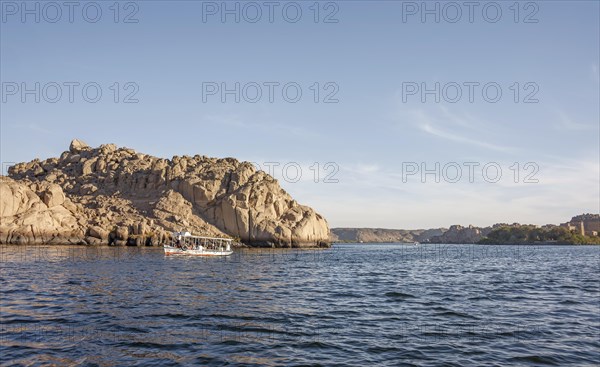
(430,124)
(566,122)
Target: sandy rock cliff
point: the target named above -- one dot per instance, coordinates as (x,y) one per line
(122,197)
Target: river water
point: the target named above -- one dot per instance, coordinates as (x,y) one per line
(351,305)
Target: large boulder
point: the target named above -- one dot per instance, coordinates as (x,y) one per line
(53,196)
(122,233)
(25,219)
(98,232)
(16,198)
(78,146)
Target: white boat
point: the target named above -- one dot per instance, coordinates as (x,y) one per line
(183,243)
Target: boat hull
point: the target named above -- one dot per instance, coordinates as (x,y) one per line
(177,251)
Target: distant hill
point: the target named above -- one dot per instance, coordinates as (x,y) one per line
(379,235)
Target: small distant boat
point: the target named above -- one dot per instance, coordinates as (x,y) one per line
(183,243)
(416,244)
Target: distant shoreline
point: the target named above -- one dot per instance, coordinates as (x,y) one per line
(581,229)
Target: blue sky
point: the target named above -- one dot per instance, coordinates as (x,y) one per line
(377,130)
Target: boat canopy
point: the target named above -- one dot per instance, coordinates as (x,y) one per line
(189,235)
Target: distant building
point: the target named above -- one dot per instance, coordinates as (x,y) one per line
(585,224)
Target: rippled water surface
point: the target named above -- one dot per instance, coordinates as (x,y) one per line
(356,305)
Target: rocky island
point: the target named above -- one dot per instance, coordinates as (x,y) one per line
(117,196)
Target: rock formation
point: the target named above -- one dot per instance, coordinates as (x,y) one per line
(122,197)
(460,234)
(379,235)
